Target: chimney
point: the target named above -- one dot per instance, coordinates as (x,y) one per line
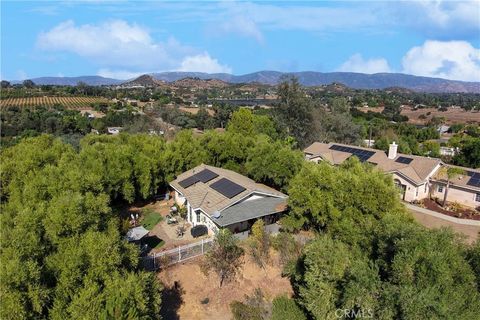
(392,150)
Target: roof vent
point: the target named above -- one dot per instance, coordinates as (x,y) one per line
(216,214)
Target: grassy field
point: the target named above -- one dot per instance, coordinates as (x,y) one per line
(68,102)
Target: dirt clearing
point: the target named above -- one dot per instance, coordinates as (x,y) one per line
(189,294)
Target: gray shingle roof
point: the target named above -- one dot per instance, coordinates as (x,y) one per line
(250,209)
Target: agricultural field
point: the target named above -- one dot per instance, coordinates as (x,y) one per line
(68,102)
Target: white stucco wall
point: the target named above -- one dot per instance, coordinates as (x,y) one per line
(179,199)
(463,196)
(412,192)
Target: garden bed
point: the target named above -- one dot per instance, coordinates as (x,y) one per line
(461,213)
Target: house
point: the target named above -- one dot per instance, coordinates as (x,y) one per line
(442,129)
(417,177)
(114,130)
(221,198)
(448,151)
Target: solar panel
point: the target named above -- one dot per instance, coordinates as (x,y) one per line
(404,160)
(362,155)
(474,179)
(226,187)
(188,181)
(206,175)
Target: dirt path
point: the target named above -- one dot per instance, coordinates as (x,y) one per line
(189,294)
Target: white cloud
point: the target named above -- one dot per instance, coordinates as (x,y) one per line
(240,25)
(456,60)
(203,63)
(357,63)
(119,47)
(441,19)
(119,74)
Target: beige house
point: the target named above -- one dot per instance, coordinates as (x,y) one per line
(417,177)
(221,198)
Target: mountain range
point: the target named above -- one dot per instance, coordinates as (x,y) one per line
(307,78)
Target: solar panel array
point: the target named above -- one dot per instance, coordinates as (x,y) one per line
(188,181)
(474,179)
(362,155)
(404,160)
(204,176)
(226,187)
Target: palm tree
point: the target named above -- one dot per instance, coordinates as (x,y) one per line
(450,173)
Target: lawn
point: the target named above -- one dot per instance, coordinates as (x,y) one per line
(150,218)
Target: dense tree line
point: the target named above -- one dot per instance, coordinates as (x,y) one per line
(369,258)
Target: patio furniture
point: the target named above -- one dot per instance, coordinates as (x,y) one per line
(171,220)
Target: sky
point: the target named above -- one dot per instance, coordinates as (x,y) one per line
(124,39)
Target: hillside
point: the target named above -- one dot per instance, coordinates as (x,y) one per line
(200,83)
(73,81)
(307,78)
(145,80)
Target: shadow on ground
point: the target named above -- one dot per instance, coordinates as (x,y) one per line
(172,299)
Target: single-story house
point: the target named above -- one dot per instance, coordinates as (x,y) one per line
(221,198)
(410,173)
(417,177)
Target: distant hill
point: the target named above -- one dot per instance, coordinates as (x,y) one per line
(350,79)
(200,83)
(72,81)
(145,80)
(307,78)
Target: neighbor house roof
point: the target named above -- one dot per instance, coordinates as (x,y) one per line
(418,170)
(470,179)
(202,195)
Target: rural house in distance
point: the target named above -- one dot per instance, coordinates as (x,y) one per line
(220,198)
(417,177)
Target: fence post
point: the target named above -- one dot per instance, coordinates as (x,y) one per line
(179,255)
(202,246)
(154,256)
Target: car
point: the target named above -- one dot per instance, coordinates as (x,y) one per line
(199,230)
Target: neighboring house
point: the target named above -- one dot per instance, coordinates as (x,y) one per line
(220,198)
(417,177)
(447,151)
(464,188)
(443,129)
(114,130)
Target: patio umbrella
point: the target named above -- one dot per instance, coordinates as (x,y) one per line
(136,234)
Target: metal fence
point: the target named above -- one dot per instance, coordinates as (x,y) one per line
(176,255)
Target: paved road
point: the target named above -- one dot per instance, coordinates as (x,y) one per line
(433,221)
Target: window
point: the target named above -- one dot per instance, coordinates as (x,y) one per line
(198,216)
(440,189)
(477,197)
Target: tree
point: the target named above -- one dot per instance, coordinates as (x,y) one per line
(259,244)
(404,272)
(5,84)
(224,258)
(322,196)
(449,173)
(294,111)
(285,308)
(431,149)
(469,155)
(255,307)
(28,84)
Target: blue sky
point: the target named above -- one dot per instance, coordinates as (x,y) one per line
(123,39)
